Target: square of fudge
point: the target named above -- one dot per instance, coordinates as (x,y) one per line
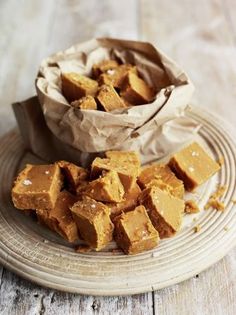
(109,99)
(74,86)
(129,203)
(103,67)
(193,166)
(85,102)
(107,188)
(164,210)
(93,222)
(125,157)
(135,90)
(116,75)
(74,175)
(60,219)
(37,186)
(160,175)
(127,172)
(134,232)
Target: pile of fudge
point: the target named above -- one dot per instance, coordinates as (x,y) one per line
(116,198)
(112,86)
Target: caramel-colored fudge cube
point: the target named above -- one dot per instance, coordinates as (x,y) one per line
(160,175)
(129,203)
(126,172)
(93,222)
(104,66)
(125,157)
(134,232)
(74,175)
(115,77)
(59,219)
(37,186)
(164,210)
(135,90)
(107,187)
(85,102)
(193,166)
(75,86)
(109,99)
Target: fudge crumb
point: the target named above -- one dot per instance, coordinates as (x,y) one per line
(221,161)
(83,249)
(233,201)
(214,202)
(27,182)
(191,207)
(197,228)
(226,228)
(194,219)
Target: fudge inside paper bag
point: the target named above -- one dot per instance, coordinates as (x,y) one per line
(153,129)
(40,140)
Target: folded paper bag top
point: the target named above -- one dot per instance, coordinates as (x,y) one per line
(132,128)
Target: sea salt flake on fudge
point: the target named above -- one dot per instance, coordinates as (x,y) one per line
(129,203)
(37,186)
(85,102)
(109,99)
(74,175)
(160,175)
(93,222)
(134,232)
(193,166)
(164,210)
(107,188)
(59,219)
(75,86)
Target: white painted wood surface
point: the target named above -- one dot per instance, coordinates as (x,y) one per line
(200,36)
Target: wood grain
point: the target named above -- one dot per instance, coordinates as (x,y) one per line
(200,35)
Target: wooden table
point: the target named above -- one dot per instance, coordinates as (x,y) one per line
(201,37)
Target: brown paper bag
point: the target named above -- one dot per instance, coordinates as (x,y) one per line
(152,129)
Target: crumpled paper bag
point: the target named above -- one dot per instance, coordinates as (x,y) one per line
(153,130)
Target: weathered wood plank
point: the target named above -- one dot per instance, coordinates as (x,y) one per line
(200,35)
(35,30)
(196,34)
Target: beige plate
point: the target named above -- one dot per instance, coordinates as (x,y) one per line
(39,255)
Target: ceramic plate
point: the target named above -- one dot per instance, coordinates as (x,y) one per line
(39,255)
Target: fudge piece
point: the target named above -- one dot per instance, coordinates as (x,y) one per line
(104,66)
(129,203)
(126,172)
(74,175)
(74,86)
(107,187)
(193,166)
(134,231)
(191,206)
(116,76)
(37,186)
(164,210)
(160,175)
(109,99)
(135,90)
(59,219)
(125,157)
(93,222)
(85,102)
